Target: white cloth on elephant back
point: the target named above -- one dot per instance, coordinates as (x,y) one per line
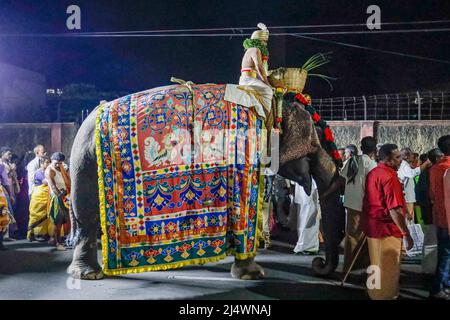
(244,98)
(251,92)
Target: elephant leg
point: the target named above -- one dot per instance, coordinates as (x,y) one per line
(84,263)
(333,214)
(247,269)
(298,170)
(85,205)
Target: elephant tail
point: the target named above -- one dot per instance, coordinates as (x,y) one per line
(74,236)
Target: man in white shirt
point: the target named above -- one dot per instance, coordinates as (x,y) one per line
(406,175)
(34,166)
(353,177)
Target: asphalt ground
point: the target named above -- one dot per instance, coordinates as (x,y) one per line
(37,271)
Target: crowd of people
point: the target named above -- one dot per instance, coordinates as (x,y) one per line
(34,197)
(387,192)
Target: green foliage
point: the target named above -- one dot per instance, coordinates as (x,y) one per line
(255,43)
(316,61)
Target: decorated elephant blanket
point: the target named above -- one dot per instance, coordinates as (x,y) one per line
(179,178)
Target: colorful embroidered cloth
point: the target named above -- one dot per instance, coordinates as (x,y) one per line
(180,178)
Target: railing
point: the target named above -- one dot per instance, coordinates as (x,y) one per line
(423,105)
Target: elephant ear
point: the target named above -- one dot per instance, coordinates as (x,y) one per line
(299,136)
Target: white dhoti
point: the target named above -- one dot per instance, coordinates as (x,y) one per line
(251,92)
(265,92)
(308,218)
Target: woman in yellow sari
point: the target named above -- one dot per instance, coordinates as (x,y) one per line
(4,216)
(39,224)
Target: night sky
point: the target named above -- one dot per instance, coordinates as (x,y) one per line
(134,64)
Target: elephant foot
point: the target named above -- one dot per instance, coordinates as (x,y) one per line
(85,272)
(247,270)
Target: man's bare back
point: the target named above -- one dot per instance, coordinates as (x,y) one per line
(252,60)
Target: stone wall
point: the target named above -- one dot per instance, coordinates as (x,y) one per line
(420,136)
(23,137)
(345,132)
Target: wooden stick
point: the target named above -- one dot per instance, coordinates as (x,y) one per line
(361,243)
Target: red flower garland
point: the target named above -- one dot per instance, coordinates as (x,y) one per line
(329,138)
(328,134)
(303,99)
(315,117)
(336,155)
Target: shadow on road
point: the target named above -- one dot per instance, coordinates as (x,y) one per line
(26,257)
(27,261)
(290,291)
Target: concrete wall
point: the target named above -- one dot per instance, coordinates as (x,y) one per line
(420,136)
(23,137)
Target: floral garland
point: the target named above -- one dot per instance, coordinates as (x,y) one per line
(330,144)
(279,94)
(255,43)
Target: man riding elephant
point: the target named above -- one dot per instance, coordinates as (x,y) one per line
(254,66)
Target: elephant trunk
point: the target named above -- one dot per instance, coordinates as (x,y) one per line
(333,223)
(333,214)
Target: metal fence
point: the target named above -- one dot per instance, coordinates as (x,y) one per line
(420,105)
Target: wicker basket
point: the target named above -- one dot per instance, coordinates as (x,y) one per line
(293,79)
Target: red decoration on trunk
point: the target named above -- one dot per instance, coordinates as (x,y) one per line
(315,117)
(328,134)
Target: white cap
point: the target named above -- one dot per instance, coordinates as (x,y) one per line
(262,34)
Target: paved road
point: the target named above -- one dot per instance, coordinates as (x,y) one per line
(36,271)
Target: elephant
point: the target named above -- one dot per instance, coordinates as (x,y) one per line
(299,161)
(301,155)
